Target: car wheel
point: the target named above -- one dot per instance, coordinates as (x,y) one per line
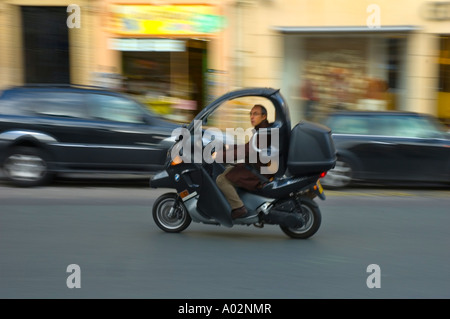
(26,166)
(340,176)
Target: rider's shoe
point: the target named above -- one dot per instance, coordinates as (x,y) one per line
(238,212)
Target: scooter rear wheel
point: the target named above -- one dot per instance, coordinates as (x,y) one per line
(313,218)
(171,221)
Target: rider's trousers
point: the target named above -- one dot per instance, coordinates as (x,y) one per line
(229,189)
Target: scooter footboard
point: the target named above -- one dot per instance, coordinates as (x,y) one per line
(212,202)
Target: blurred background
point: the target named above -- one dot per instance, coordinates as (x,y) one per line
(176,56)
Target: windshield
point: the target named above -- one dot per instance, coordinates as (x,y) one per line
(235,114)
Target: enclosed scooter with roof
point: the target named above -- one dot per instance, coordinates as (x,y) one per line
(299,157)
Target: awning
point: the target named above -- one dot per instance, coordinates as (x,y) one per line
(346,29)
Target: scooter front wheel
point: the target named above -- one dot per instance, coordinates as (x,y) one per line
(170,214)
(312,217)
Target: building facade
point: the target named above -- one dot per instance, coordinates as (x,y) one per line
(40,45)
(167,53)
(360,54)
(178,55)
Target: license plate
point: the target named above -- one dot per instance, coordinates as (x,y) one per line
(319,187)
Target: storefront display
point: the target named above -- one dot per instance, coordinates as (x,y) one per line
(163,53)
(346,74)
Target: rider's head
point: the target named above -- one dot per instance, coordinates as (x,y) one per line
(258,114)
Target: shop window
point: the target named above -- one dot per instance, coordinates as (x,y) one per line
(147,72)
(170,83)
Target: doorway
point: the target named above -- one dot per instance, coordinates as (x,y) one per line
(46,44)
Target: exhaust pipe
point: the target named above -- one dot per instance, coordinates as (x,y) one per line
(285,219)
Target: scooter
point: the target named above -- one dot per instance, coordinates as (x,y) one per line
(305,154)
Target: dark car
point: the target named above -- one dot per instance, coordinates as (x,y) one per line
(388,147)
(51,129)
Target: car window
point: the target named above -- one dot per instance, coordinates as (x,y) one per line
(383,125)
(402,126)
(349,125)
(114,108)
(415,127)
(12,103)
(58,104)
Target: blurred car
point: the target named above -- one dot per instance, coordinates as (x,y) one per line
(51,129)
(388,147)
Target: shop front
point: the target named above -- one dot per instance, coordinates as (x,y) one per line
(357,55)
(346,68)
(162,52)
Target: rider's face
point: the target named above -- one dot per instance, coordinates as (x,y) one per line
(256,116)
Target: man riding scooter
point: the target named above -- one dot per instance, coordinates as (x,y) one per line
(298,157)
(241,175)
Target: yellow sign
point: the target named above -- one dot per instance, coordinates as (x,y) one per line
(164,20)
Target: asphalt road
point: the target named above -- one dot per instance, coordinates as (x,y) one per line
(107,231)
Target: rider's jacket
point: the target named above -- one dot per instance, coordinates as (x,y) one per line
(241,175)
